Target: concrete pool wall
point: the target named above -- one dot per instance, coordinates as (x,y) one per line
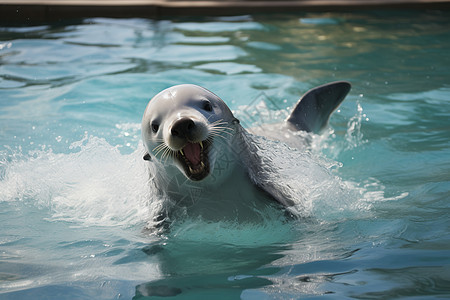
(53,10)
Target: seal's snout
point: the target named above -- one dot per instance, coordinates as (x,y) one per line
(183,128)
(188,139)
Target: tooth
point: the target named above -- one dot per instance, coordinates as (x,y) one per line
(190,170)
(181,151)
(201,144)
(203,165)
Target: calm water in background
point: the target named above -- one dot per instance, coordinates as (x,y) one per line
(73,193)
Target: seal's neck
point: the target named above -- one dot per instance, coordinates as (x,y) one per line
(235,199)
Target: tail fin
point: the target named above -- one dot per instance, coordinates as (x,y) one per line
(313,110)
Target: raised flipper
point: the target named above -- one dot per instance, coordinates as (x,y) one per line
(313,110)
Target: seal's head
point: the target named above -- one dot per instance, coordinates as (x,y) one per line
(185,126)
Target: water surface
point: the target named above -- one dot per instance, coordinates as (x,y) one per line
(74,197)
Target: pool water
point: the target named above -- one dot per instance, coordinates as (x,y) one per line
(74,198)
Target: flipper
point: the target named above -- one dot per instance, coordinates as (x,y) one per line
(313,110)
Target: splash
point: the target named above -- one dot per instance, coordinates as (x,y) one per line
(93,185)
(309,179)
(332,145)
(96,184)
(354,136)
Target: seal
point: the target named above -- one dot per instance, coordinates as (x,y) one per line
(202,160)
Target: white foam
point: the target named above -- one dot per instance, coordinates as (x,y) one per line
(310,180)
(95,184)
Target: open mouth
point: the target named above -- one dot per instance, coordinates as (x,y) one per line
(194,159)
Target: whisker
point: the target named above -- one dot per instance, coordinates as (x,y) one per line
(158,152)
(222,133)
(221,128)
(218,136)
(218,132)
(162,145)
(167,153)
(218,127)
(219,122)
(159,148)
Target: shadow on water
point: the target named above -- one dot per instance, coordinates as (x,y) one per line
(196,270)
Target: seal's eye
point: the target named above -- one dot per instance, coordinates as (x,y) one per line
(207,106)
(155,128)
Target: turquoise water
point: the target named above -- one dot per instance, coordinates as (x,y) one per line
(74,198)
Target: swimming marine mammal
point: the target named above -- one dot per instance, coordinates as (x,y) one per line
(205,162)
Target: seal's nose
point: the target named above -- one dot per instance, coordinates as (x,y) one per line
(183,128)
